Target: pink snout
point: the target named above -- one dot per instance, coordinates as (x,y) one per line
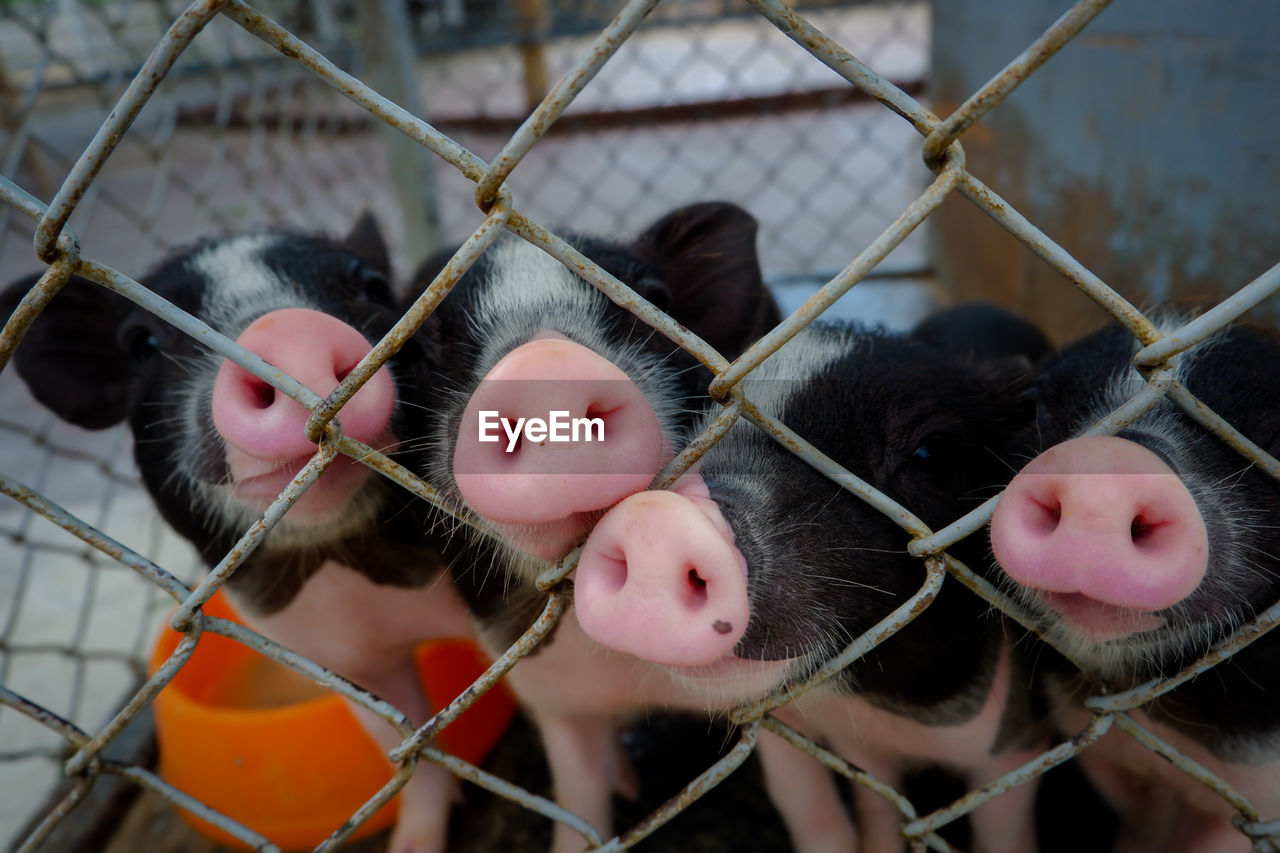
(264,430)
(660,578)
(1101,521)
(598,442)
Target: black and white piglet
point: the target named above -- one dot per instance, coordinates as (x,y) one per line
(522,336)
(756,568)
(347,577)
(1137,552)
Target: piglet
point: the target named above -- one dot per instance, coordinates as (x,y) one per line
(346,578)
(1138,552)
(754,569)
(521,337)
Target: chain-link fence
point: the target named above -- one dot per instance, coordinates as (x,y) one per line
(215,130)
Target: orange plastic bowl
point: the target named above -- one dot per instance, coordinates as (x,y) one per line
(287,758)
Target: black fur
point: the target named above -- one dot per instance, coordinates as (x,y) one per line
(929,430)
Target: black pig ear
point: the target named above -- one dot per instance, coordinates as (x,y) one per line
(980,330)
(707,256)
(366,241)
(428,270)
(70,357)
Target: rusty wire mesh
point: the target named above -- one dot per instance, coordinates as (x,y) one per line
(507,204)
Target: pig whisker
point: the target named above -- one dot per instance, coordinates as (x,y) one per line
(1259,566)
(849,582)
(409,404)
(1233,477)
(386,449)
(864,549)
(163,422)
(661,364)
(991,451)
(185,362)
(650,334)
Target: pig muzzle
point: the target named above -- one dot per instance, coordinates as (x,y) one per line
(543,489)
(1105,531)
(264,431)
(660,578)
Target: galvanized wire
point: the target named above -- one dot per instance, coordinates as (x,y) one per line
(941,149)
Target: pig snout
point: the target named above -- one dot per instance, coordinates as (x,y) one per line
(660,578)
(510,474)
(1100,523)
(264,430)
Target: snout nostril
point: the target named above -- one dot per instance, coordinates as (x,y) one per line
(1046,516)
(1141,531)
(261,394)
(601,420)
(342,369)
(614,572)
(696,589)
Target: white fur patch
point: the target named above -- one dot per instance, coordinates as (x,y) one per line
(526,283)
(791,369)
(244,283)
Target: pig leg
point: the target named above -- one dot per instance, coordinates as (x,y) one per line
(1006,824)
(575,694)
(804,794)
(430,793)
(583,757)
(876,818)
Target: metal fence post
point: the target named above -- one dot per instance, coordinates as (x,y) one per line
(387,55)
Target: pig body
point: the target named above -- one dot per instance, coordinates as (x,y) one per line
(759,569)
(346,578)
(1137,553)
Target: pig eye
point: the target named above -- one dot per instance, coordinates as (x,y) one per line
(370,283)
(655,290)
(930,453)
(141,344)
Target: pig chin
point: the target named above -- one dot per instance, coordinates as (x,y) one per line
(1097,621)
(1120,644)
(735,679)
(551,541)
(333,502)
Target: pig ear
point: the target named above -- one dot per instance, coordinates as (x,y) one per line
(707,257)
(71,358)
(980,330)
(428,270)
(366,241)
(1009,379)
